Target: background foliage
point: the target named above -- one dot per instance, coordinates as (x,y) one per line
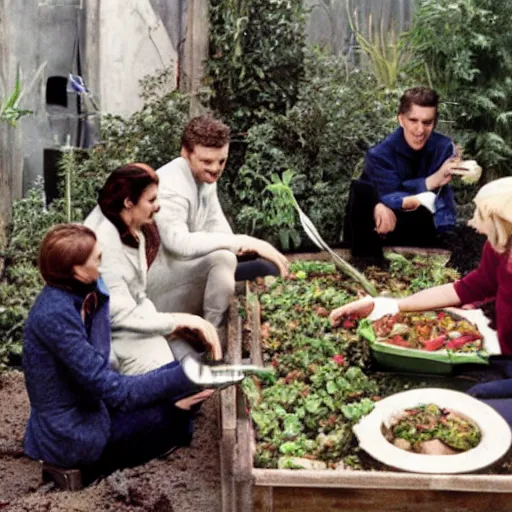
(464,49)
(256,58)
(339,113)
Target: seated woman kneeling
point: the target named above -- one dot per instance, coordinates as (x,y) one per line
(82,413)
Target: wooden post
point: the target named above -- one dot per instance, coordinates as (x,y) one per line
(195,53)
(228,416)
(244,460)
(255,321)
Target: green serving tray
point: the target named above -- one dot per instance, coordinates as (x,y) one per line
(410,361)
(418,361)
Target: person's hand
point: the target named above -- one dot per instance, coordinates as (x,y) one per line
(410,203)
(385,219)
(443,175)
(358,308)
(189,401)
(205,331)
(249,244)
(371,307)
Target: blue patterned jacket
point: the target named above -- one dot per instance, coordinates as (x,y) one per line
(70,384)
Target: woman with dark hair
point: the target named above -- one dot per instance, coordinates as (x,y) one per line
(83,413)
(123,223)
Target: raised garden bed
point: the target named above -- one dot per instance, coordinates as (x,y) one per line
(246,487)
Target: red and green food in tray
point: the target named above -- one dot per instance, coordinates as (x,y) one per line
(432,430)
(431,331)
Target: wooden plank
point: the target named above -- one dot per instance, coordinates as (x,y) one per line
(382,480)
(255,322)
(228,415)
(234,354)
(356,500)
(263,499)
(228,408)
(234,334)
(244,458)
(227,464)
(345,253)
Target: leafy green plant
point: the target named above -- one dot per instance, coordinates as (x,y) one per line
(286,200)
(324,381)
(415,273)
(256,58)
(463,48)
(21,280)
(386,50)
(322,139)
(280,213)
(10,112)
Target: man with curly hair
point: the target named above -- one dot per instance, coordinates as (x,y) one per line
(199,259)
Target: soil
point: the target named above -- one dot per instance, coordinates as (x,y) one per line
(188,480)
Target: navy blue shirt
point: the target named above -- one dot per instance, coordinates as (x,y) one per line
(399,171)
(70,384)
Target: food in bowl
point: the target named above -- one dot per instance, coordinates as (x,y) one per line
(430,331)
(432,430)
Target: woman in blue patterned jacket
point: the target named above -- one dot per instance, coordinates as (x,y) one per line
(82,413)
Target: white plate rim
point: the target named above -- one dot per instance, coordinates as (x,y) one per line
(496,433)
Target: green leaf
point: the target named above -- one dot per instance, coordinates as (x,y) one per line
(332,388)
(365,330)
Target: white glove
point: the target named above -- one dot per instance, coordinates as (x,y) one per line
(201,328)
(248,244)
(383,306)
(204,375)
(427,199)
(370,307)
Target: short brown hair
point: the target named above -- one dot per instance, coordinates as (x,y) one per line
(63,247)
(421,96)
(205,131)
(127,182)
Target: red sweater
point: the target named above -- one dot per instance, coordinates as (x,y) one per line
(492,279)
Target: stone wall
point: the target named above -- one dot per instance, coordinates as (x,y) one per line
(128,40)
(118,42)
(38,38)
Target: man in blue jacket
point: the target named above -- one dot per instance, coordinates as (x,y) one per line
(403,196)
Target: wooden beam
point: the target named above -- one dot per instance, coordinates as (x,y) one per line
(383,500)
(195,52)
(228,416)
(234,355)
(263,499)
(382,480)
(255,323)
(227,463)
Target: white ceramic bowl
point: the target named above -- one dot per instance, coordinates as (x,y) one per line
(496,433)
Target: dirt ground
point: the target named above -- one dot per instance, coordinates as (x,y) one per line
(187,481)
